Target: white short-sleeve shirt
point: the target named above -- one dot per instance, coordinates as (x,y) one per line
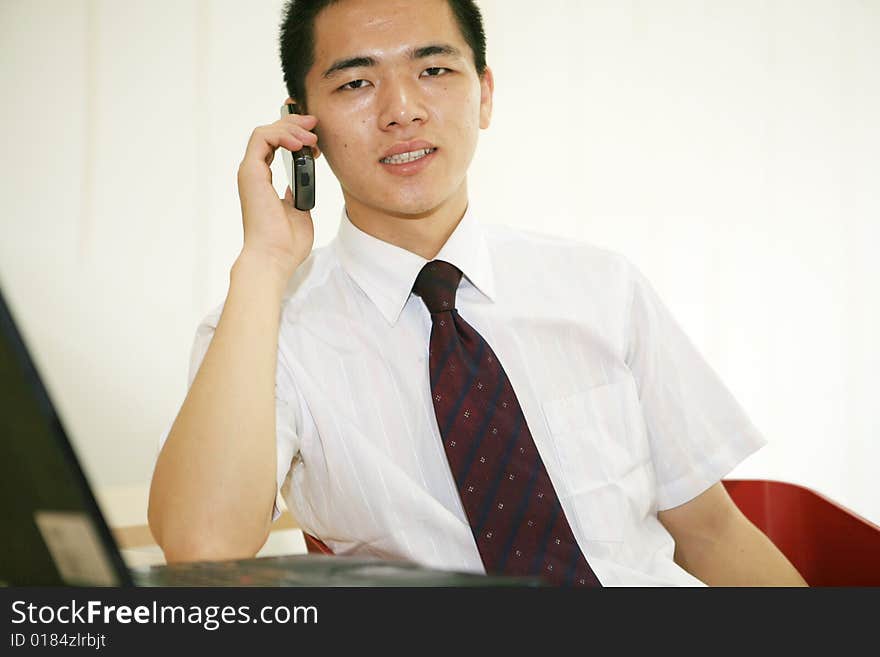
(628,417)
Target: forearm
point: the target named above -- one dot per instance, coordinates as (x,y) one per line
(213,486)
(738,555)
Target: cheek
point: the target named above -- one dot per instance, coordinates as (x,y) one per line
(464,117)
(335,144)
(462,124)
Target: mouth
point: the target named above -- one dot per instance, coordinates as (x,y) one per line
(406,158)
(410,163)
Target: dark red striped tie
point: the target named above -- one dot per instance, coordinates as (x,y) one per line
(518,524)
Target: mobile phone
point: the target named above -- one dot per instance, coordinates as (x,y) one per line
(300,167)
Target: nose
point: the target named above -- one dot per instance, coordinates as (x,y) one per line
(401,103)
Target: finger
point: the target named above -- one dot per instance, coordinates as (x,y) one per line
(287,141)
(306,137)
(258,147)
(307,121)
(264,141)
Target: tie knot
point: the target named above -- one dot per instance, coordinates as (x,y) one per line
(437,284)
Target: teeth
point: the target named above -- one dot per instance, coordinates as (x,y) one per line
(408,157)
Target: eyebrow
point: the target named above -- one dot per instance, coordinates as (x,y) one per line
(415,53)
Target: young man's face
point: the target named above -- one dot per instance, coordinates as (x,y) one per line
(364,111)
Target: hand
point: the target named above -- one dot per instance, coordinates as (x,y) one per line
(273,227)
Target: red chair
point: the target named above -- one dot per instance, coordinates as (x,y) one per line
(316,546)
(828,544)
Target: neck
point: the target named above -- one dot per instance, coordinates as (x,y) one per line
(422,233)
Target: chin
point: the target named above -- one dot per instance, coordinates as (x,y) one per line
(409,199)
(416,209)
(413,206)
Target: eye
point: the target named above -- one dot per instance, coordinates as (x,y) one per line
(353,82)
(437,68)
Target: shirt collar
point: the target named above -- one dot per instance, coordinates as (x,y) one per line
(386,273)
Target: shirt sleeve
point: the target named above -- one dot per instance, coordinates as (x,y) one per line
(286,408)
(696,430)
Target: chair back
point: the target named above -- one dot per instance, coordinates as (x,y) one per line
(828,544)
(316,546)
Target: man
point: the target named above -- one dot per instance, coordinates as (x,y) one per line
(335,369)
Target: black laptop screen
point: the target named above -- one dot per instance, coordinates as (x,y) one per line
(53,531)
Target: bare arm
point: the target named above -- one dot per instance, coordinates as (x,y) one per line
(717,544)
(214,484)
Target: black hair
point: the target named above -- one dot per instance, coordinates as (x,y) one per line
(297,40)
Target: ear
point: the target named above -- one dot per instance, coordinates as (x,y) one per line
(487,89)
(316,152)
(302,109)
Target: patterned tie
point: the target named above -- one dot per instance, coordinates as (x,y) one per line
(517,521)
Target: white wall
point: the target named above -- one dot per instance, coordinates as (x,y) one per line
(729,149)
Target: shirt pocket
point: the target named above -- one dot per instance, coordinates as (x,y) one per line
(597,449)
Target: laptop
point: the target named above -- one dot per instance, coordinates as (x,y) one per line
(55,534)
